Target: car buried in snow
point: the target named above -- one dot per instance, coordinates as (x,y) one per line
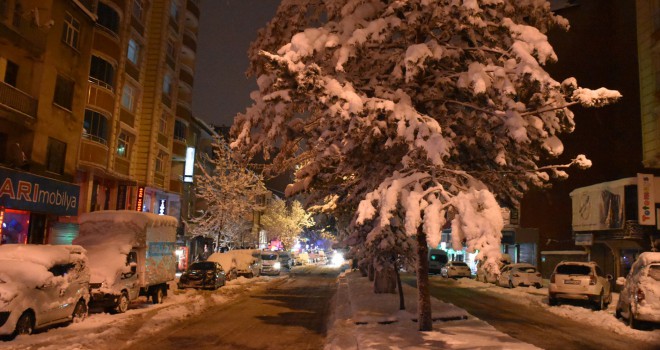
(456,269)
(521,274)
(40,286)
(639,300)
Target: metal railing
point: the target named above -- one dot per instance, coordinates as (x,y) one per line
(18,100)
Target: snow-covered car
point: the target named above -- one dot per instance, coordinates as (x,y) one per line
(41,285)
(488,276)
(639,299)
(522,274)
(455,269)
(238,262)
(578,280)
(285,260)
(270,263)
(203,275)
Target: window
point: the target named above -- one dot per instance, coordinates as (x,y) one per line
(10,71)
(133,53)
(167,84)
(128,97)
(123,144)
(160,161)
(63,92)
(95,127)
(102,72)
(71,32)
(179,130)
(55,156)
(108,17)
(170,48)
(163,124)
(138,9)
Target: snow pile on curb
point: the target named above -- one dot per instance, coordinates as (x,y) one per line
(363,320)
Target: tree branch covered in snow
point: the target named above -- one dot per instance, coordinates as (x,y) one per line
(285,222)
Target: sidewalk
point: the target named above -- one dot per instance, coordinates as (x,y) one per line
(364,320)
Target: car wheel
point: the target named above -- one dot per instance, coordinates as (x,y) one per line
(122,304)
(25,324)
(79,312)
(157,296)
(600,303)
(552,301)
(632,322)
(511,284)
(538,285)
(617,313)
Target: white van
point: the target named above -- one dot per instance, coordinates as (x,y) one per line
(41,285)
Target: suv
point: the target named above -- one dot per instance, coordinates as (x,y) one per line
(639,299)
(577,280)
(270,263)
(41,285)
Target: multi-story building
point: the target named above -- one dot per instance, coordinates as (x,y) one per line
(138,110)
(43,88)
(94,110)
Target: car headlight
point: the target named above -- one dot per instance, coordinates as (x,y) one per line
(277,265)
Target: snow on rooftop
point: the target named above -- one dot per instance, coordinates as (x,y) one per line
(139,218)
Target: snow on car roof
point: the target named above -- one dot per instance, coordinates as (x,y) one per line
(142,219)
(649,257)
(42,254)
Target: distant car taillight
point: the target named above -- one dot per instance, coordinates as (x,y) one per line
(640,295)
(592,280)
(552,278)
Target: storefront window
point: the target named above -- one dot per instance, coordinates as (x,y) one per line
(14,226)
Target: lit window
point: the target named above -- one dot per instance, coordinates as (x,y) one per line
(167,84)
(133,53)
(123,143)
(128,98)
(71,32)
(174,10)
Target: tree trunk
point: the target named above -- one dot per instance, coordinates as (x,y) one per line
(424,317)
(371,271)
(385,280)
(402,303)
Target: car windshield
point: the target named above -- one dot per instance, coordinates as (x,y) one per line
(574,270)
(268,256)
(202,265)
(459,264)
(654,272)
(526,269)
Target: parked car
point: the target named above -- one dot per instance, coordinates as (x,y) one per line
(41,285)
(437,259)
(203,275)
(455,269)
(488,276)
(639,299)
(270,263)
(578,280)
(522,274)
(286,260)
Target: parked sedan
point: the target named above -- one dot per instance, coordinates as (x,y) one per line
(203,275)
(519,275)
(455,269)
(41,285)
(639,299)
(576,280)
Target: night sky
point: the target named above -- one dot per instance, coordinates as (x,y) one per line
(226,29)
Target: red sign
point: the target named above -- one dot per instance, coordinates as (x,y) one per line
(140,198)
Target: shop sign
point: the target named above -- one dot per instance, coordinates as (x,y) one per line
(584,239)
(140,199)
(645,199)
(25,191)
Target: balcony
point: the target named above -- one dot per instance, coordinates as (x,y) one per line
(122,166)
(22,33)
(193,7)
(93,152)
(17,100)
(179,149)
(190,40)
(100,96)
(107,42)
(183,110)
(186,77)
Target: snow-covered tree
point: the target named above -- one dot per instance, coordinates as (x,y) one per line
(413,109)
(285,222)
(230,192)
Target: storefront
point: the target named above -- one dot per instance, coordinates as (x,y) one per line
(33,208)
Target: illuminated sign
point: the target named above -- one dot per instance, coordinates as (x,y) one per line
(190,165)
(140,199)
(24,191)
(645,199)
(162,207)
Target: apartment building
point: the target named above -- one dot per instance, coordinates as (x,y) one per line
(95,108)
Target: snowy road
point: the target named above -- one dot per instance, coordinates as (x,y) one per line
(290,312)
(524,314)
